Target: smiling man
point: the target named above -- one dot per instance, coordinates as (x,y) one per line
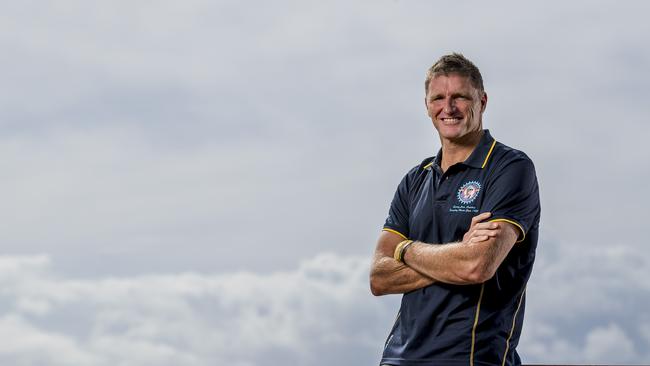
(459,241)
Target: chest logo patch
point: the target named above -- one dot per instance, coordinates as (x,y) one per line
(468,192)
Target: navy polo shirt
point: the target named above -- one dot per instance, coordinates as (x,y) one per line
(445,324)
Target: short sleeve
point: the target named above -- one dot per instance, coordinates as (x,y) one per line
(512,195)
(398,214)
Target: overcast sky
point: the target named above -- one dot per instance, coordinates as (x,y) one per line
(202,182)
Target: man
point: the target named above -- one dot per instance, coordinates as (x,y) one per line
(459,241)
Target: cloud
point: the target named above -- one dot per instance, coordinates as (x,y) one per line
(316,314)
(201,138)
(587,306)
(609,344)
(143,131)
(25,344)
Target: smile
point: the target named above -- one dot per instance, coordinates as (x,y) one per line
(450,120)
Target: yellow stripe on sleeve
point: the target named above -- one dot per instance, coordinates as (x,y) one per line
(395,232)
(523,233)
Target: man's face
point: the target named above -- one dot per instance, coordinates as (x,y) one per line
(455,106)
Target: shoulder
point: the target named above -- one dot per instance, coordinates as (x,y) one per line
(504,156)
(423,168)
(511,167)
(418,173)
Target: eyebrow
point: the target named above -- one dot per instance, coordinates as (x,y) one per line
(455,95)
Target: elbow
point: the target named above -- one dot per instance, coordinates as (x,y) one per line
(478,277)
(476,272)
(376,287)
(376,291)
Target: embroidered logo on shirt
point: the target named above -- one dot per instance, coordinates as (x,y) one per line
(468,192)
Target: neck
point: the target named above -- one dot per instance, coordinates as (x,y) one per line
(457,151)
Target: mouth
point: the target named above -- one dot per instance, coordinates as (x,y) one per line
(450,121)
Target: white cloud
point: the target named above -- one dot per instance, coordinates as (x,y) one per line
(609,344)
(26,344)
(587,306)
(143,137)
(166,128)
(317,314)
(312,315)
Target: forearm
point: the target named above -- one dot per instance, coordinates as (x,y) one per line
(454,263)
(475,260)
(389,276)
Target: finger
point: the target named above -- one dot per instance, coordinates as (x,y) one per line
(486,226)
(490,233)
(478,239)
(480,217)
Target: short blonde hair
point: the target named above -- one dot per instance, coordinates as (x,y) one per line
(455,63)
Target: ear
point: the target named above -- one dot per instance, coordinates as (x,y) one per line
(484,99)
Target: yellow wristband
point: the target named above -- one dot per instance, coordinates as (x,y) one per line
(398,249)
(402,252)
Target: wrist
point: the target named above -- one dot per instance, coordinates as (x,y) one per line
(403,251)
(400,250)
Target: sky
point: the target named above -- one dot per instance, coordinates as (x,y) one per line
(203,182)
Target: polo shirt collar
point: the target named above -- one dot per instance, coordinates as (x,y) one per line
(480,155)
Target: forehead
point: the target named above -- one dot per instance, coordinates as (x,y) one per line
(447,83)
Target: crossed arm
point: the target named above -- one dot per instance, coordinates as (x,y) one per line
(473,260)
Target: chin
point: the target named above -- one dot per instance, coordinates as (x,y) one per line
(451,133)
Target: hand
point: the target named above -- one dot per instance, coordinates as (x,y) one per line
(481,231)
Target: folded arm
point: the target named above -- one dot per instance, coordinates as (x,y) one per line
(474,260)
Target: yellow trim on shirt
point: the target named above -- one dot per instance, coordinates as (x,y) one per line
(394,232)
(512,329)
(488,154)
(478,309)
(523,233)
(428,165)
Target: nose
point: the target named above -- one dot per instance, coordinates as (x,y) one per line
(449,106)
